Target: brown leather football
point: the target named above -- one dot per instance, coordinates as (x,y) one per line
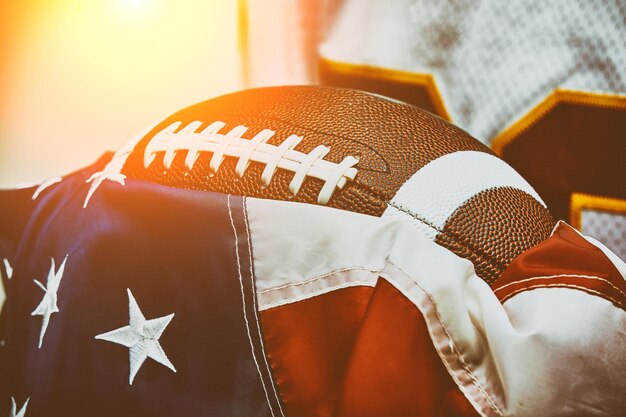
(353,151)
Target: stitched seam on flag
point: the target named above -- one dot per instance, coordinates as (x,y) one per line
(563,285)
(254,303)
(455,351)
(326,290)
(562,276)
(243,301)
(614,259)
(442,355)
(296,284)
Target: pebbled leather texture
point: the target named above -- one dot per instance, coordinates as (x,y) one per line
(392,140)
(494,227)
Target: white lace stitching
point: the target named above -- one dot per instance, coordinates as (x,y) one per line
(232,144)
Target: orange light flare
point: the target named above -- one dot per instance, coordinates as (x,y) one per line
(79,77)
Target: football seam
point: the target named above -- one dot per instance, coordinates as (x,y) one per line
(451,235)
(414,215)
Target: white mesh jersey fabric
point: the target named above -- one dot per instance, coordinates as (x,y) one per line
(608,228)
(492,60)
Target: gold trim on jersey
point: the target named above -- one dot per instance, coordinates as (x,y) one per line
(513,131)
(580,202)
(425,80)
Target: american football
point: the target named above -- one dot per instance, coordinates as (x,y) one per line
(335,208)
(349,150)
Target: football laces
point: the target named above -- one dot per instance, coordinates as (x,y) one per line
(194,141)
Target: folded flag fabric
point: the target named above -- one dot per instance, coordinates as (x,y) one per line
(160,301)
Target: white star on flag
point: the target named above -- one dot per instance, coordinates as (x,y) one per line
(141,336)
(8,268)
(48,304)
(22,412)
(97,179)
(45,184)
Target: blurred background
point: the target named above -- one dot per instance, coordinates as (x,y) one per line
(79,77)
(542,83)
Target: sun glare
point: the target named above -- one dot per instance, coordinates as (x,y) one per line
(135,6)
(82,76)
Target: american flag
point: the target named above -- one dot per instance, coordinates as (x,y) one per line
(160,301)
